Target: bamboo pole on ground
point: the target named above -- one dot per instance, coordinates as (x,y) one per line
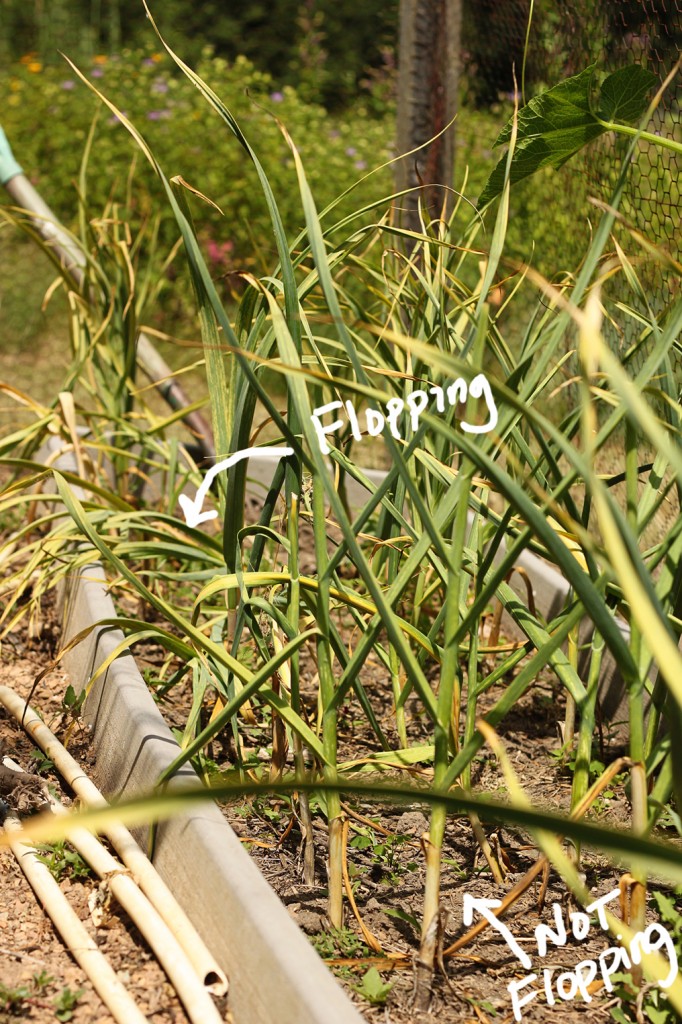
(129,851)
(82,947)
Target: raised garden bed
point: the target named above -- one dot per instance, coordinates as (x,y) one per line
(248,926)
(284,627)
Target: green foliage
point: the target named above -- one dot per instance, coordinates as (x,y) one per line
(373,988)
(72,703)
(652,1004)
(41,762)
(48,113)
(65,1003)
(17,1000)
(276,38)
(339,942)
(559,122)
(384,852)
(63,862)
(13,998)
(42,980)
(625,94)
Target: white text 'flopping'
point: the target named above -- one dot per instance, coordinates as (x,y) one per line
(397,410)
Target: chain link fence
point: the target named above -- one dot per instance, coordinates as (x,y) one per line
(565,37)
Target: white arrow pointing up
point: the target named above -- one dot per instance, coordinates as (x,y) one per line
(192,509)
(484,907)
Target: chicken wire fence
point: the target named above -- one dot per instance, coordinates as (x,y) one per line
(566,36)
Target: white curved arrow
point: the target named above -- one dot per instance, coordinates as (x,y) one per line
(192,509)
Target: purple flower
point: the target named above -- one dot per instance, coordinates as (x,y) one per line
(157,115)
(159,86)
(334,134)
(219,253)
(276,97)
(68,84)
(351,151)
(96,73)
(148,62)
(361,164)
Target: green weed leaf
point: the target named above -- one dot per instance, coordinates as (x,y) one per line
(65,1003)
(402,915)
(618,1015)
(564,107)
(551,128)
(373,988)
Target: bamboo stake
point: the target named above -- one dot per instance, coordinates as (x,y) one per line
(131,854)
(82,947)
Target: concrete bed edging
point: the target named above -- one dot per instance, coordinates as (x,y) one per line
(275,975)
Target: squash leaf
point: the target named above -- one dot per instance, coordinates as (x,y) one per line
(559,122)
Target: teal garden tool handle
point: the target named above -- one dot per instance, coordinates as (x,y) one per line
(9,168)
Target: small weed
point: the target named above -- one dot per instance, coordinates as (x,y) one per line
(63,862)
(203,765)
(485,1005)
(373,988)
(339,942)
(64,1004)
(384,852)
(670,819)
(269,810)
(654,1006)
(402,915)
(12,999)
(72,703)
(41,981)
(40,762)
(459,871)
(15,1000)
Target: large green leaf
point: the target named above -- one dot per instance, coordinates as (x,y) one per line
(558,123)
(624,94)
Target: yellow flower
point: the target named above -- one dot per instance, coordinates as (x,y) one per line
(28,57)
(15,84)
(34,67)
(156,57)
(101,58)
